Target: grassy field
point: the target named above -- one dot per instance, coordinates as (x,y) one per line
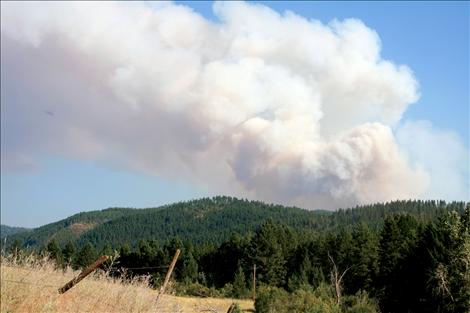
(32,287)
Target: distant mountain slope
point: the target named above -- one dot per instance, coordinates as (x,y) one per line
(9,230)
(214,220)
(70,228)
(208,219)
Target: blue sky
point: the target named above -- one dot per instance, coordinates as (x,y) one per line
(432,38)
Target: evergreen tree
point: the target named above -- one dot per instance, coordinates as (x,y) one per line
(54,251)
(146,254)
(239,284)
(449,279)
(398,242)
(107,250)
(15,248)
(270,245)
(68,253)
(189,268)
(363,259)
(85,256)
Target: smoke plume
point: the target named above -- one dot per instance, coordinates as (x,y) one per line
(260,104)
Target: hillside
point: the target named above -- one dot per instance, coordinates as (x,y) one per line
(70,228)
(9,230)
(213,220)
(394,260)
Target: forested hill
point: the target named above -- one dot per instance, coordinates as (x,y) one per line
(71,228)
(9,230)
(214,220)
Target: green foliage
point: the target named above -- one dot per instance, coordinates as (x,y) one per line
(271,299)
(410,256)
(107,250)
(61,230)
(68,253)
(398,243)
(237,309)
(320,300)
(270,246)
(197,290)
(85,256)
(189,270)
(6,231)
(239,284)
(360,303)
(363,260)
(54,251)
(214,220)
(448,281)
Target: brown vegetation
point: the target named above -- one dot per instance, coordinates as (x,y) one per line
(33,287)
(79,228)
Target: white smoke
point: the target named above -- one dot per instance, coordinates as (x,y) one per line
(442,155)
(269,106)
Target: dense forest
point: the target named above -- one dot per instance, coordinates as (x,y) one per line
(407,256)
(9,230)
(211,220)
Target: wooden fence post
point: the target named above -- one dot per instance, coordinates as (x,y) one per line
(254,282)
(83,274)
(231,308)
(168,274)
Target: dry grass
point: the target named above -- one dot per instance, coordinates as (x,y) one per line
(32,287)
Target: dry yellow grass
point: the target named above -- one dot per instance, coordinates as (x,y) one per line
(33,288)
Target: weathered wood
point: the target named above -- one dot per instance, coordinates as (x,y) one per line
(168,274)
(336,279)
(83,274)
(231,308)
(254,282)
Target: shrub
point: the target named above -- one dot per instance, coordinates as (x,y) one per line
(195,290)
(237,309)
(305,300)
(270,299)
(360,303)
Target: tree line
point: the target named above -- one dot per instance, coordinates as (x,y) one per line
(417,261)
(405,265)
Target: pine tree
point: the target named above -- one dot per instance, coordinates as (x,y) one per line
(85,256)
(189,269)
(399,239)
(449,281)
(15,248)
(363,260)
(239,284)
(54,251)
(269,249)
(68,253)
(107,250)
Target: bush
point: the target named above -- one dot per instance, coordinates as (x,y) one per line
(195,290)
(360,303)
(237,309)
(227,290)
(306,300)
(271,299)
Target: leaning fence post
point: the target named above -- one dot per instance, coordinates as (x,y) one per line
(83,274)
(232,307)
(254,282)
(168,274)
